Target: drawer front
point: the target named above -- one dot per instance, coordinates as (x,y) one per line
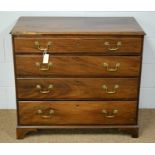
(95,66)
(77,88)
(106,45)
(73,112)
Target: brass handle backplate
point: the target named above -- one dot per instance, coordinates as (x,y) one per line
(38,46)
(104,87)
(118,44)
(109,69)
(109,114)
(44,67)
(45,113)
(43,91)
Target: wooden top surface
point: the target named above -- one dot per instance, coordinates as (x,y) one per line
(77,25)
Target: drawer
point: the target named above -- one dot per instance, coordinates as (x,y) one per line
(77,112)
(77,88)
(107,45)
(95,66)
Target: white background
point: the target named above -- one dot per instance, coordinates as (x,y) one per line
(8,19)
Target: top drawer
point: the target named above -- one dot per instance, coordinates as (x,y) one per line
(101,45)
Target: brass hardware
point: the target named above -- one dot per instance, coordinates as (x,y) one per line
(37,44)
(110,114)
(119,43)
(106,65)
(49,112)
(38,86)
(116,86)
(44,67)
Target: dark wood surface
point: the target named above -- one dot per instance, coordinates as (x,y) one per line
(77,25)
(21,132)
(77,52)
(77,88)
(79,66)
(129,45)
(133,130)
(77,113)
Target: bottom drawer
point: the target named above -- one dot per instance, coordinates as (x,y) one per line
(77,112)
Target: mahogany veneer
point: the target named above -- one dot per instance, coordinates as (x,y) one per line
(92,78)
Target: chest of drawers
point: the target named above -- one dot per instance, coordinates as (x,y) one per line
(92,76)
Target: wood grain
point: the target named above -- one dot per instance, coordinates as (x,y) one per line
(61,44)
(77,112)
(78,49)
(79,66)
(77,88)
(77,25)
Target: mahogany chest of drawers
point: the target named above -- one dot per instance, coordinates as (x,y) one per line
(81,72)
